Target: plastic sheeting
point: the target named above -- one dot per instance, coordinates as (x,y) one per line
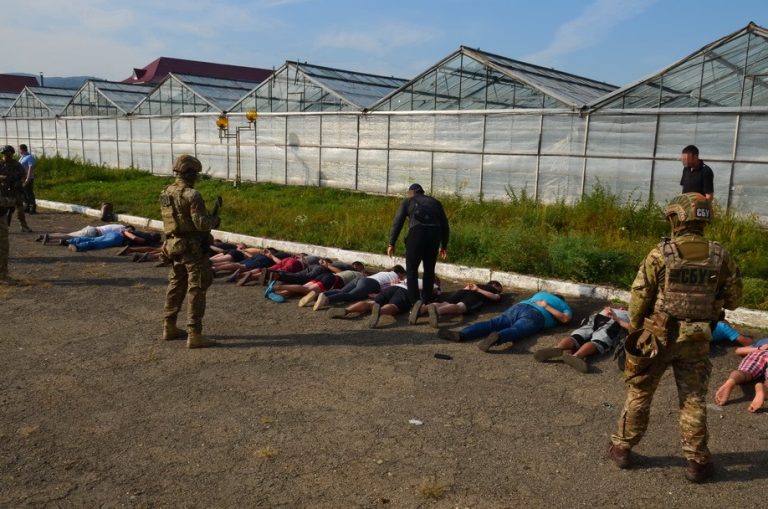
(554,156)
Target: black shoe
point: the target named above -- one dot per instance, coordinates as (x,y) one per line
(699,472)
(485,344)
(450,335)
(413,316)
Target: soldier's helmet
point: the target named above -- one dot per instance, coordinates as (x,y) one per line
(7,149)
(689,209)
(186,163)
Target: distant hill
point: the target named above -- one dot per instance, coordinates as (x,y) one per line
(74,82)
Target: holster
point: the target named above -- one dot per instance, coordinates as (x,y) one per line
(658,325)
(641,349)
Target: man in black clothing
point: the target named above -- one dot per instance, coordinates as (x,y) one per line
(697,176)
(427,235)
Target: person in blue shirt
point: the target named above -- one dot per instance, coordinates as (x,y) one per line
(542,311)
(29,162)
(725,333)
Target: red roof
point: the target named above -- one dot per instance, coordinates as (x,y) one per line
(156,71)
(15,83)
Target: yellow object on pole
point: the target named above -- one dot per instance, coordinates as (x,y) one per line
(222,122)
(251,115)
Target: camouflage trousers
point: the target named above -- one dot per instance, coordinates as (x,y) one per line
(190,277)
(19,209)
(692,368)
(4,248)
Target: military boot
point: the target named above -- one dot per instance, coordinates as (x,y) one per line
(196,340)
(170,331)
(620,456)
(699,472)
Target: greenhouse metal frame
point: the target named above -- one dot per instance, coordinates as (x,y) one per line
(625,140)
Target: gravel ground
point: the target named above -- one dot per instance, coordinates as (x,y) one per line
(296,410)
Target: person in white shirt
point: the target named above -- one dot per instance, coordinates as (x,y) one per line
(597,335)
(360,289)
(88,231)
(29,162)
(390,301)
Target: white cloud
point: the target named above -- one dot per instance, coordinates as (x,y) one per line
(378,41)
(589,28)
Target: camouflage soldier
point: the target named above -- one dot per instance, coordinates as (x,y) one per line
(681,288)
(7,203)
(15,185)
(187,227)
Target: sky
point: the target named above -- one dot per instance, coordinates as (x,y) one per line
(616,41)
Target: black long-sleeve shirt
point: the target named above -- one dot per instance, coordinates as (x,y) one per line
(421,210)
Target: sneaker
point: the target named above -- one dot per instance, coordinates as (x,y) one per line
(308,298)
(337,313)
(72,248)
(576,363)
(275,297)
(321,302)
(434,317)
(413,316)
(450,335)
(373,321)
(620,456)
(485,344)
(39,238)
(123,251)
(699,472)
(547,353)
(270,288)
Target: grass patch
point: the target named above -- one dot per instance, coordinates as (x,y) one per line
(432,490)
(266,453)
(601,239)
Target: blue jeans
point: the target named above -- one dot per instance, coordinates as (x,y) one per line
(517,322)
(111,239)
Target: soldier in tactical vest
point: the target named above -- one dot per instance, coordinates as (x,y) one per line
(681,288)
(187,225)
(8,183)
(16,174)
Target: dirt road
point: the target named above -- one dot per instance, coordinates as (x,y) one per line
(296,410)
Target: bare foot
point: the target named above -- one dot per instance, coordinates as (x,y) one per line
(724,392)
(757,402)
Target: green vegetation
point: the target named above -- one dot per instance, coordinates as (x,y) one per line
(601,239)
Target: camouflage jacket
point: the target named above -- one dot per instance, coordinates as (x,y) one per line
(647,291)
(183,210)
(12,175)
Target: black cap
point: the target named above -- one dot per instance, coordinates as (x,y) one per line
(416,188)
(7,149)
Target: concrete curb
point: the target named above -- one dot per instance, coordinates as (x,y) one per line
(744,316)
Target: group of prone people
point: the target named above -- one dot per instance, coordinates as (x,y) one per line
(323,283)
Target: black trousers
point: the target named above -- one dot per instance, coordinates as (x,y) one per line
(421,247)
(29,197)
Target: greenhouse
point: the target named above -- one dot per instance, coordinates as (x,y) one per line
(305,87)
(475,80)
(475,124)
(6,100)
(105,98)
(183,93)
(39,102)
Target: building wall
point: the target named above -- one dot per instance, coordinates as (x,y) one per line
(551,155)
